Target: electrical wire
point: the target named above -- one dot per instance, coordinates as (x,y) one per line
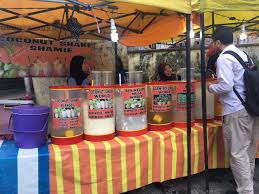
(97,23)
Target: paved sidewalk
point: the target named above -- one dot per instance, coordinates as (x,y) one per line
(221,180)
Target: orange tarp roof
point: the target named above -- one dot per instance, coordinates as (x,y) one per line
(162,29)
(32,19)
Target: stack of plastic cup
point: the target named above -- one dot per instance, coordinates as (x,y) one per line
(134,77)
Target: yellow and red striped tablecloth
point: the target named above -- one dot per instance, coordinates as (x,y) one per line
(127,163)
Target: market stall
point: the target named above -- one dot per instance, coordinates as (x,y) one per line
(103,163)
(21,24)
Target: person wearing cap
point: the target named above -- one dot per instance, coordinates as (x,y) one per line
(239,131)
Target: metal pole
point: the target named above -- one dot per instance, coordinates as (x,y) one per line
(188,87)
(212,21)
(116,62)
(27,84)
(203,93)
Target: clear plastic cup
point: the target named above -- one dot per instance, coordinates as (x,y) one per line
(138,77)
(183,74)
(107,78)
(130,77)
(97,78)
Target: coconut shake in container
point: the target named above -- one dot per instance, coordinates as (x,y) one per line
(180,103)
(198,103)
(99,108)
(160,105)
(66,114)
(131,106)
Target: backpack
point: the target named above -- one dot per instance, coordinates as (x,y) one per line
(251,82)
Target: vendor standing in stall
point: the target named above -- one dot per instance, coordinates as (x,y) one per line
(238,126)
(78,75)
(165,72)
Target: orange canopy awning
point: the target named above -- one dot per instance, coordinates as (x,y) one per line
(134,19)
(162,29)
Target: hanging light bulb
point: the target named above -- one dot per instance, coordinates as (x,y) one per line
(243,34)
(114,34)
(192,33)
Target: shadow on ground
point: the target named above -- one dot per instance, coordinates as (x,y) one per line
(220,181)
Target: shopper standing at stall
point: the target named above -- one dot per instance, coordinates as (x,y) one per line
(212,54)
(238,126)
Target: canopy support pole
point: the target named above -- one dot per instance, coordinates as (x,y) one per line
(20,30)
(212,21)
(116,62)
(203,93)
(67,16)
(62,21)
(188,87)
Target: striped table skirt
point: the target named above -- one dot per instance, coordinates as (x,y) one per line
(127,163)
(23,171)
(119,165)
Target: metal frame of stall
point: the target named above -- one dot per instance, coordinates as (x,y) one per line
(204,104)
(62,25)
(188,112)
(188,60)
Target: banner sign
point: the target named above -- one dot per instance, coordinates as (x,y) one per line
(22,57)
